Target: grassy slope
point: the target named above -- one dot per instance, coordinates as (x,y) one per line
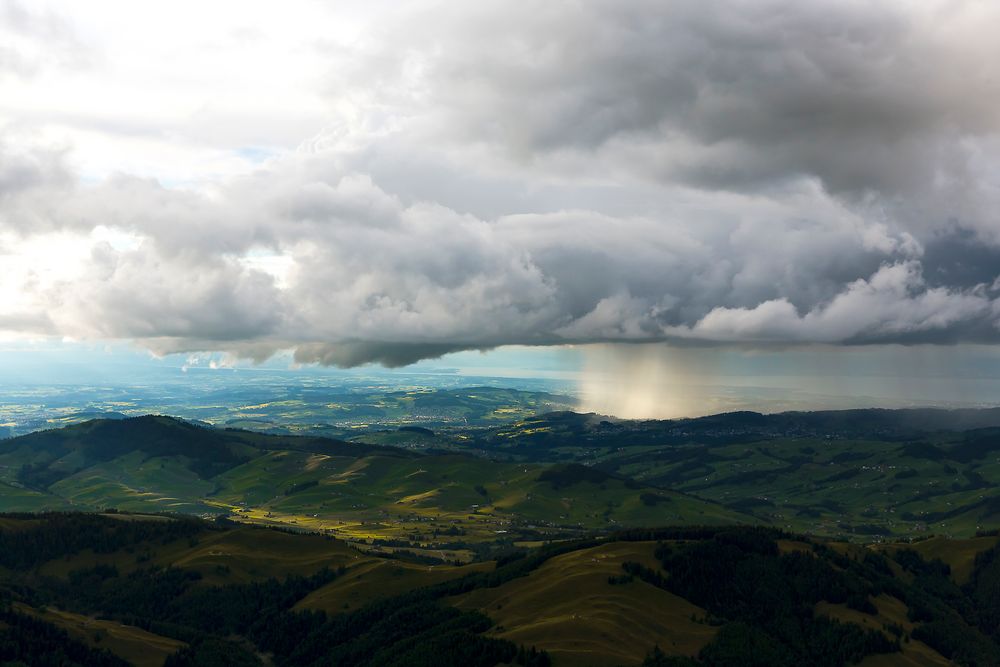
(831,487)
(891,611)
(389,496)
(233,556)
(960,555)
(373,579)
(856,488)
(136,483)
(18,499)
(135,645)
(252,553)
(568,608)
(854,473)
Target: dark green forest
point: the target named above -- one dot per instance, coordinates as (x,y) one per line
(414,629)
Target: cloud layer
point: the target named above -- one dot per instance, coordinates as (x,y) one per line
(767,172)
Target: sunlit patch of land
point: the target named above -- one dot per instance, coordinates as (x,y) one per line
(568,608)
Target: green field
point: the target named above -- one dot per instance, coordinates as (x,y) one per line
(439,504)
(449,494)
(271,403)
(846,477)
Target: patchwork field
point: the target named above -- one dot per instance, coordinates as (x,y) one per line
(860,475)
(439,505)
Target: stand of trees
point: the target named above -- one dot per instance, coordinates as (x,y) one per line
(233,624)
(764,600)
(57,534)
(25,640)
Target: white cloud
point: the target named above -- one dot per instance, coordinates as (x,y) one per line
(892,304)
(373,183)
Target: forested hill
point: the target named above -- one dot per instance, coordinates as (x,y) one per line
(860,474)
(870,474)
(157,435)
(45,458)
(854,423)
(873,422)
(118,589)
(415,499)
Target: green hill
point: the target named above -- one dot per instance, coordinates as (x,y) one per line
(441,504)
(449,493)
(154,590)
(862,474)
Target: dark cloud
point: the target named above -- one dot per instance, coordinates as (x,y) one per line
(728,95)
(354,353)
(760,173)
(960,257)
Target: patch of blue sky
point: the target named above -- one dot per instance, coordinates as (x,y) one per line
(255,154)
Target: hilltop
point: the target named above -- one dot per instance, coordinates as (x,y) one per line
(393,496)
(865,475)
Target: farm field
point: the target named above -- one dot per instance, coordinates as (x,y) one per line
(444,505)
(451,493)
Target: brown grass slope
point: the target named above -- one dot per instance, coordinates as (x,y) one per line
(132,644)
(568,608)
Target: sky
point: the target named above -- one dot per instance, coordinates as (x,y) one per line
(669,190)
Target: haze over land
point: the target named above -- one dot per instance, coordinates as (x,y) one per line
(629,381)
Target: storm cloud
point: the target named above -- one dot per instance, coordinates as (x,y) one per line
(746,172)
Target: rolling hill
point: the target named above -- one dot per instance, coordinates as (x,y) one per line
(863,475)
(442,502)
(860,474)
(154,590)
